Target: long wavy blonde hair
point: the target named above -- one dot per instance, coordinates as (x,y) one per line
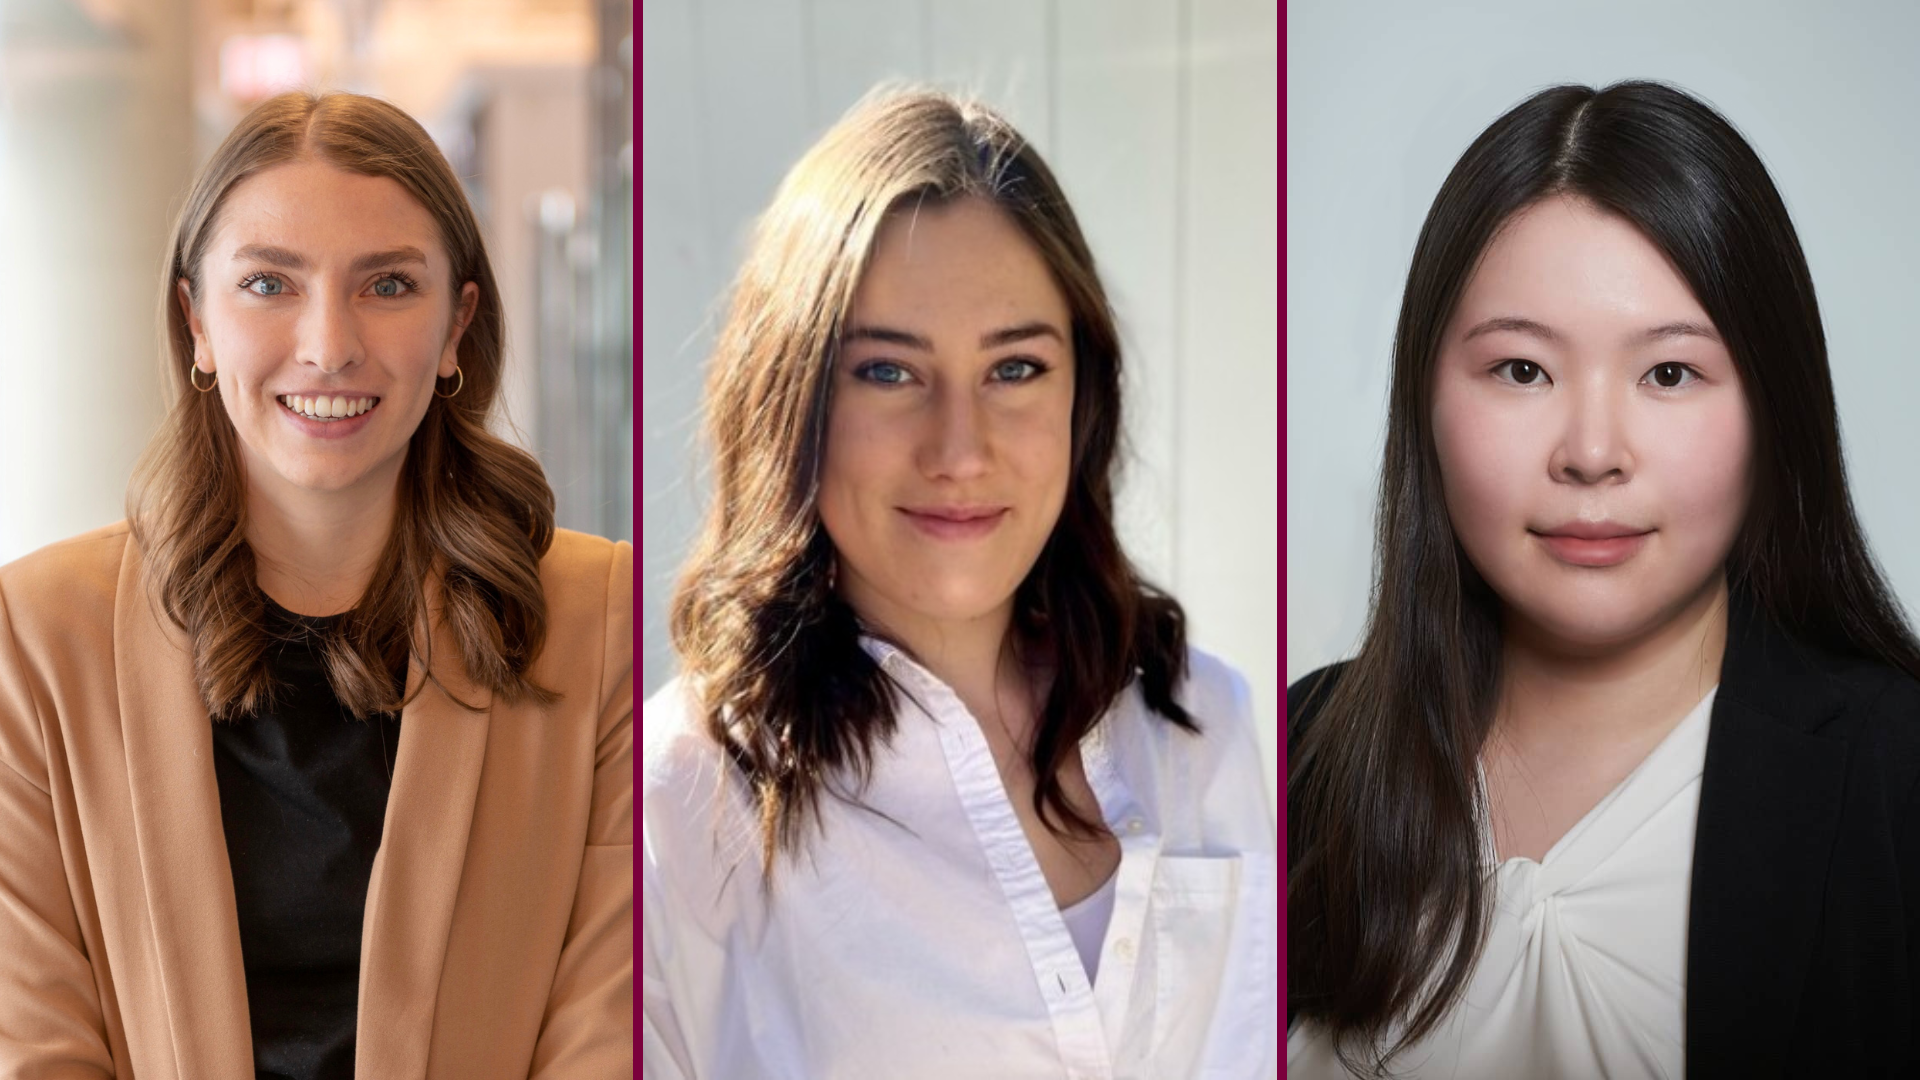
(472,508)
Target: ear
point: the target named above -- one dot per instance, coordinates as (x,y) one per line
(463,313)
(202,352)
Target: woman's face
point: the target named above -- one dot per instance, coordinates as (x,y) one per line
(950,433)
(327,292)
(1593,435)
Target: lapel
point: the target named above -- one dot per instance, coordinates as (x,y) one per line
(192,927)
(423,848)
(191,932)
(1769,813)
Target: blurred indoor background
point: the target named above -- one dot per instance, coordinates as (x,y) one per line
(107,107)
(1159,117)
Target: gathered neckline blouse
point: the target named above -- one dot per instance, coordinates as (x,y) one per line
(1583,972)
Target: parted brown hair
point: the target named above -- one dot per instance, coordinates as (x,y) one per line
(770,653)
(471,507)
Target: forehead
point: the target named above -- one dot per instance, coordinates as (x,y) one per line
(966,257)
(1573,266)
(315,209)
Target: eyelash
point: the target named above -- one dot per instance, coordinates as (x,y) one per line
(247,283)
(864,372)
(1692,372)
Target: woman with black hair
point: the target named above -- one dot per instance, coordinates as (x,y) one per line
(1622,780)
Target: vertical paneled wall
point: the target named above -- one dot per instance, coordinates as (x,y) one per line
(1158,116)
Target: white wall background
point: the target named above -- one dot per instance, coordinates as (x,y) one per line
(1382,97)
(1159,118)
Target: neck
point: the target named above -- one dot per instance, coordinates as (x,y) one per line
(1618,694)
(316,552)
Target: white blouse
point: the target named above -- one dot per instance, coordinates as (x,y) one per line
(1584,969)
(918,937)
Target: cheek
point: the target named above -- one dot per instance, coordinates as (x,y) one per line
(1483,464)
(852,468)
(1710,465)
(1039,445)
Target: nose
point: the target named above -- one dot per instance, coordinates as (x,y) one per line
(957,445)
(1594,445)
(328,337)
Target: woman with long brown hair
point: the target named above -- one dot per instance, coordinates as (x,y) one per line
(941,790)
(1622,781)
(319,765)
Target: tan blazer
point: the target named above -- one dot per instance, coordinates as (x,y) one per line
(498,939)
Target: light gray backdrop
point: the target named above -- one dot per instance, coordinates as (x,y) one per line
(1383,97)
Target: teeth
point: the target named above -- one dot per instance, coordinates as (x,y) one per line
(327,407)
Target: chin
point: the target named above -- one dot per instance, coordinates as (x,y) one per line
(949,601)
(1585,621)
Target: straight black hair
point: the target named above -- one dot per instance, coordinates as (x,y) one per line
(1387,908)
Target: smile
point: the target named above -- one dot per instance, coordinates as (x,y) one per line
(327,408)
(956,524)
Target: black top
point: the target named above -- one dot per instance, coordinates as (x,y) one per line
(1803,943)
(303,794)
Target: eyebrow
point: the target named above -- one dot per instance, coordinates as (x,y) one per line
(998,339)
(293,260)
(1681,328)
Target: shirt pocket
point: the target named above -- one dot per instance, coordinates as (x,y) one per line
(1194,909)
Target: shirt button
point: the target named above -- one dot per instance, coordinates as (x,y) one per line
(1123,948)
(1135,825)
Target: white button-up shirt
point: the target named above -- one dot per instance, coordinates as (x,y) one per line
(917,937)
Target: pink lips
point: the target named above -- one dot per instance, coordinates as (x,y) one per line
(1582,543)
(955,522)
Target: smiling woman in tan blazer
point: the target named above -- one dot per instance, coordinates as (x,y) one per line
(329,496)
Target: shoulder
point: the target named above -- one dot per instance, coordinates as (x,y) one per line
(1881,706)
(697,825)
(580,563)
(1305,697)
(681,764)
(1219,699)
(673,745)
(588,584)
(72,580)
(1215,690)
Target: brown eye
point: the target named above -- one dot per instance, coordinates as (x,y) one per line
(1671,376)
(1524,372)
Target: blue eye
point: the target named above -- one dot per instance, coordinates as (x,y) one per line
(264,285)
(883,372)
(400,285)
(1018,371)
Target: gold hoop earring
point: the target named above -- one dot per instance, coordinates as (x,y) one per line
(459,386)
(193,376)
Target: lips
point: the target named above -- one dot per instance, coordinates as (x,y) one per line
(1594,544)
(955,522)
(1593,530)
(956,513)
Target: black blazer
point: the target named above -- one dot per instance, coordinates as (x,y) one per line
(1803,943)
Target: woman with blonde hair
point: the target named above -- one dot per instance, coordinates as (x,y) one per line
(319,765)
(941,790)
